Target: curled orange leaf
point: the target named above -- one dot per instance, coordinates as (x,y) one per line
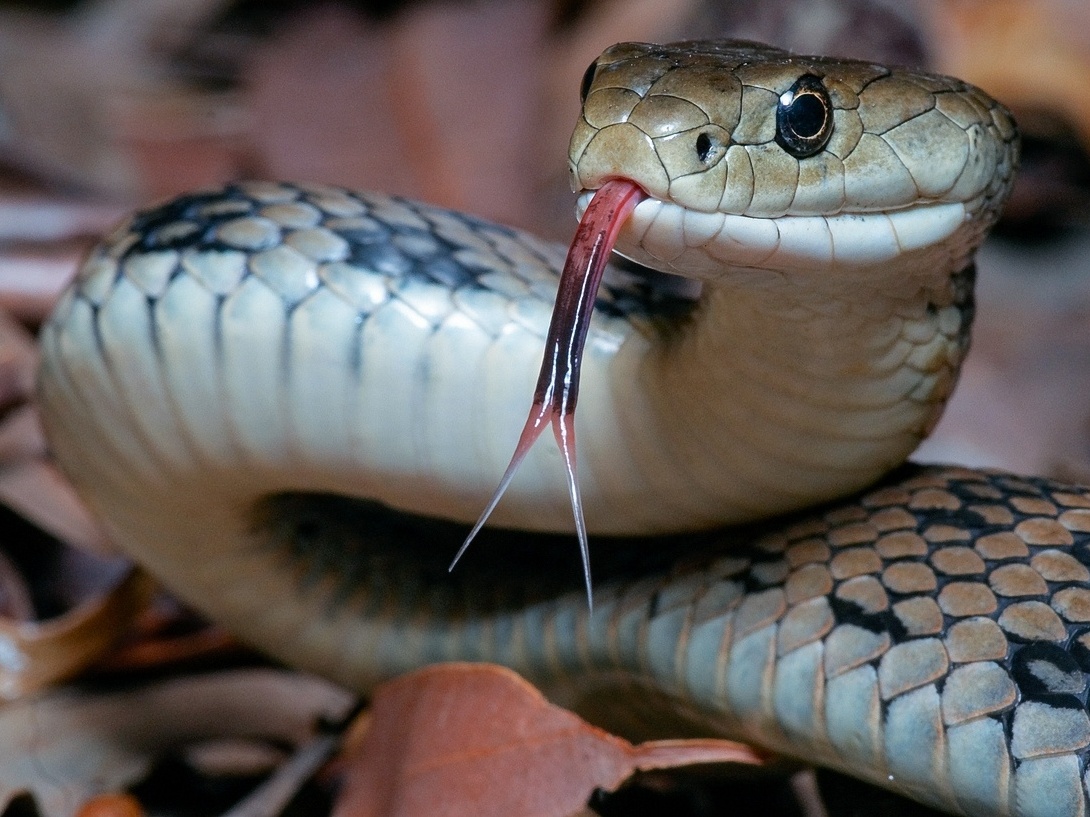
(476,739)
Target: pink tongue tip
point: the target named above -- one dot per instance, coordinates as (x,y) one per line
(558,381)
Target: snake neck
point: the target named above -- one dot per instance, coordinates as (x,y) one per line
(774,396)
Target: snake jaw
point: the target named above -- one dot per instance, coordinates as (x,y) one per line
(671,238)
(557,388)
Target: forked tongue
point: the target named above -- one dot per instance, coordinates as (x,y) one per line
(558,382)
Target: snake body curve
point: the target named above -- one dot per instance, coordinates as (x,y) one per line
(246,383)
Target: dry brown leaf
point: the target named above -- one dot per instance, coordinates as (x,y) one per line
(67,747)
(145,650)
(112,805)
(476,739)
(35,654)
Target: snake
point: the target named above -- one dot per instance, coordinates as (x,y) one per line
(289,402)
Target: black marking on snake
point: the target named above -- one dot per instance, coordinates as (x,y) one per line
(217,336)
(974,493)
(399,251)
(1048,673)
(96,335)
(362,236)
(153,327)
(508,570)
(448,274)
(846,611)
(1079,649)
(1059,701)
(1021,486)
(148,225)
(380,257)
(632,290)
(927,517)
(963,289)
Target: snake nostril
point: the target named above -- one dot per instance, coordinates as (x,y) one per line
(703,147)
(708,148)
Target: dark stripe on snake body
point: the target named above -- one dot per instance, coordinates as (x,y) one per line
(520,563)
(393,249)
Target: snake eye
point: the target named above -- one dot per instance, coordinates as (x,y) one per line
(588,78)
(804,117)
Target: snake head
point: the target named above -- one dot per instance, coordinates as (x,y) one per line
(757,158)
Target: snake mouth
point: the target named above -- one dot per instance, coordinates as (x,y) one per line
(670,237)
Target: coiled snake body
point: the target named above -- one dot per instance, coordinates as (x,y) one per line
(231,369)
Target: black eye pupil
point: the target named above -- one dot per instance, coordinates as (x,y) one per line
(588,78)
(804,117)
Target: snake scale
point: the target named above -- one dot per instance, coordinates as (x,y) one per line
(289,402)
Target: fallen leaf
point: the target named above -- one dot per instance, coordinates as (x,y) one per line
(64,607)
(112,805)
(151,646)
(67,747)
(476,739)
(36,654)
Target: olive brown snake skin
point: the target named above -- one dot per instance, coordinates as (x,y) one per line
(230,367)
